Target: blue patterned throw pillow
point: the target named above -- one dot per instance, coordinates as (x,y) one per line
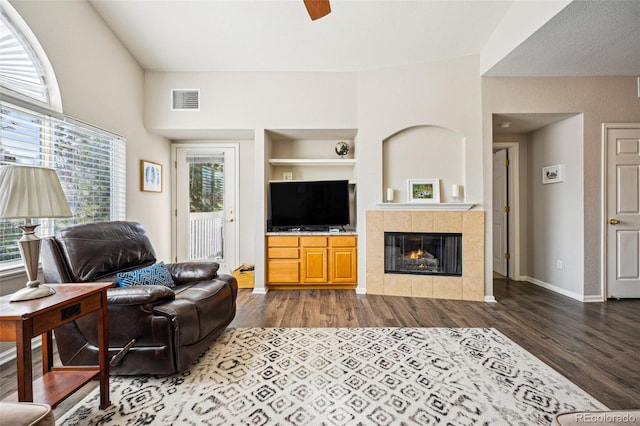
(157,274)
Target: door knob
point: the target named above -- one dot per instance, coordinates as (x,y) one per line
(231,220)
(614,221)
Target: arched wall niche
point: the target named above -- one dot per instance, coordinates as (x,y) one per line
(423,152)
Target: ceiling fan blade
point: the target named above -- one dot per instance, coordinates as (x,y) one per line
(317,8)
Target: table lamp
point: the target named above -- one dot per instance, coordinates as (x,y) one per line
(28,192)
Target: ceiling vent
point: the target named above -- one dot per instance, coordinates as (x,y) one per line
(185,99)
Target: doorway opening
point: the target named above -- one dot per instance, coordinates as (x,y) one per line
(205,199)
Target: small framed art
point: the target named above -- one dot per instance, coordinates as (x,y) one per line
(553,174)
(150,176)
(423,190)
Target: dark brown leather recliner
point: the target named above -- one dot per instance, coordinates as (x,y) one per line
(153,329)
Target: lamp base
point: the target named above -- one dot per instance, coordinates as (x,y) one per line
(30,293)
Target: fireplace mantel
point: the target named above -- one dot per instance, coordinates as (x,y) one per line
(426,206)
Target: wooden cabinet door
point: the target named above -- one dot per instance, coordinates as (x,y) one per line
(286,271)
(314,265)
(343,265)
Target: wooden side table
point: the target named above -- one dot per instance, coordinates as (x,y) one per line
(22,321)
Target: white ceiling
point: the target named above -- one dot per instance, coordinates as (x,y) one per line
(277,35)
(588,37)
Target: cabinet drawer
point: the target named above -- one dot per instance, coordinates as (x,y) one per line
(283,253)
(314,241)
(282,241)
(67,313)
(279,271)
(344,241)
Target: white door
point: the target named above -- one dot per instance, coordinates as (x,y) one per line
(623,210)
(206,199)
(500,234)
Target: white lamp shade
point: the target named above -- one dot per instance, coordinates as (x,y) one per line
(31,192)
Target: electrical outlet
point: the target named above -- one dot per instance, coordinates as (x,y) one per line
(559,264)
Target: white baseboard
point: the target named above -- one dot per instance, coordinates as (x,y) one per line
(361,290)
(260,290)
(593,299)
(490,299)
(565,292)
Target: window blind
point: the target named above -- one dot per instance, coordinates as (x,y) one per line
(20,69)
(90,162)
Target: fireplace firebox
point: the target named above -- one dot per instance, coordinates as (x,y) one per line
(423,253)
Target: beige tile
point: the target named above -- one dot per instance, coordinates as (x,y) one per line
(375,266)
(375,221)
(375,245)
(473,223)
(421,221)
(397,285)
(473,269)
(375,283)
(447,222)
(473,289)
(472,247)
(397,221)
(422,286)
(447,288)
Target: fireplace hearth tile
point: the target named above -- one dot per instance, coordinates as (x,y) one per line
(473,223)
(447,288)
(375,221)
(473,269)
(447,222)
(421,221)
(473,289)
(397,221)
(375,246)
(472,248)
(397,284)
(472,226)
(422,286)
(375,283)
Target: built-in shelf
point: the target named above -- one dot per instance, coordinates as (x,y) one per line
(346,162)
(426,206)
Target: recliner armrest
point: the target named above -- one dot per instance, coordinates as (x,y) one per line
(139,295)
(186,272)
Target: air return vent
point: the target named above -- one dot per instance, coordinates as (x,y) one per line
(185,99)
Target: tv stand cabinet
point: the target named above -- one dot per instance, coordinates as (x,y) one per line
(311,261)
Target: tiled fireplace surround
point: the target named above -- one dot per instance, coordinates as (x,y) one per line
(468,287)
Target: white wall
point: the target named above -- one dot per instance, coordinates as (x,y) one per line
(600,100)
(251,102)
(556,219)
(444,94)
(102,84)
(378,103)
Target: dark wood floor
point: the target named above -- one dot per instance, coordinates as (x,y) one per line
(595,345)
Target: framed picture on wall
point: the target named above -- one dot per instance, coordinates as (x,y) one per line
(553,174)
(423,190)
(150,176)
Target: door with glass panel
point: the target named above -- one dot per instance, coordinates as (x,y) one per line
(205,203)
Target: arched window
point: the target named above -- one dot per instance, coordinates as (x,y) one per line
(90,161)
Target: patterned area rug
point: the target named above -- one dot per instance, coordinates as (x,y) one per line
(346,376)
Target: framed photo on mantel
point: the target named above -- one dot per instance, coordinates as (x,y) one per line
(150,176)
(423,190)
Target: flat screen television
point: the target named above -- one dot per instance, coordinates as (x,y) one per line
(313,204)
